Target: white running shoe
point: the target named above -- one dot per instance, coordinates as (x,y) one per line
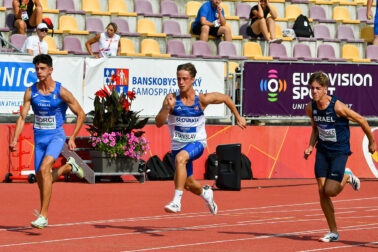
(40,222)
(353,180)
(330,237)
(76,169)
(210,200)
(172,207)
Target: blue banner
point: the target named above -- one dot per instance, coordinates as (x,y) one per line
(16,76)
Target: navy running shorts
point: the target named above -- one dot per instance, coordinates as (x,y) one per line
(48,144)
(194,150)
(330,165)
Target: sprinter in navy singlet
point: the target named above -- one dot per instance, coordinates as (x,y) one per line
(330,133)
(186,123)
(49,101)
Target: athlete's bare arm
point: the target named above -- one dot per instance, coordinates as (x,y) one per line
(75,107)
(168,105)
(342,110)
(218,98)
(21,119)
(314,133)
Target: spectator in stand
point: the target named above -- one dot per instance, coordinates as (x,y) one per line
(261,25)
(210,21)
(369,16)
(28,14)
(108,42)
(35,45)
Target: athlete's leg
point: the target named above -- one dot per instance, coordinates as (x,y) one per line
(327,206)
(45,179)
(181,160)
(193,185)
(56,173)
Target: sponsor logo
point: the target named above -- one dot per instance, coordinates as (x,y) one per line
(273,85)
(34,95)
(196,108)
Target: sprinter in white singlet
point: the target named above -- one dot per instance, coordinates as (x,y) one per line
(186,123)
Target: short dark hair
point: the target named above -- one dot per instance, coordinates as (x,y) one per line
(188,67)
(115,26)
(320,77)
(43,58)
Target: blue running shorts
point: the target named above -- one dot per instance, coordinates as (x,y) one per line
(48,144)
(195,151)
(330,165)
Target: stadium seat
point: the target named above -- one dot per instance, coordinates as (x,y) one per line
(118,7)
(18,40)
(303,52)
(128,49)
(367,34)
(227,50)
(279,34)
(123,28)
(147,28)
(93,7)
(94,25)
(68,24)
(227,12)
(176,49)
(351,53)
(372,53)
(144,8)
(8,4)
(68,7)
(52,46)
(278,51)
(172,28)
(292,11)
(150,48)
(169,8)
(252,50)
(73,46)
(278,19)
(243,10)
(345,33)
(321,32)
(202,49)
(327,52)
(192,8)
(341,14)
(231,68)
(317,13)
(45,7)
(345,2)
(361,15)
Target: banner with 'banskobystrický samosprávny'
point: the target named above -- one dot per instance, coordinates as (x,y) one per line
(151,80)
(17,73)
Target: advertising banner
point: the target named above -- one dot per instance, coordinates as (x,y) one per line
(17,73)
(151,80)
(281,89)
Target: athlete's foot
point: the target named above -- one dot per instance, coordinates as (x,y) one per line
(353,180)
(209,196)
(76,169)
(40,222)
(172,207)
(330,237)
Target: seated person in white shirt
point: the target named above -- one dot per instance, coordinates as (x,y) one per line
(35,45)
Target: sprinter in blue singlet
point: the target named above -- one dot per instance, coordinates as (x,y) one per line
(330,132)
(186,123)
(49,101)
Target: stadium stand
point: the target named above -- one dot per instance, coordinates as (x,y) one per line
(176,48)
(150,48)
(372,53)
(94,25)
(18,40)
(351,53)
(68,7)
(128,49)
(252,50)
(119,7)
(202,49)
(52,46)
(278,52)
(327,52)
(73,46)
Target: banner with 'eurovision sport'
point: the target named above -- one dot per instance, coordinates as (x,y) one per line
(281,88)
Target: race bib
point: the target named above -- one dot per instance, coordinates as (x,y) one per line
(24,16)
(185,134)
(44,122)
(106,52)
(327,134)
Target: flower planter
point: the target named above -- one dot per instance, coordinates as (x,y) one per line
(102,163)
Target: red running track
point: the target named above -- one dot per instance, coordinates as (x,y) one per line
(266,215)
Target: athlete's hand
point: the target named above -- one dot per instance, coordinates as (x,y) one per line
(308,151)
(12,146)
(169,103)
(71,144)
(241,122)
(372,147)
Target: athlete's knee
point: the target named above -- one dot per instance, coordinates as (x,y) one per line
(330,192)
(180,160)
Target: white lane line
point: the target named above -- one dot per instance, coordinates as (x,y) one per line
(341,247)
(335,213)
(195,214)
(240,239)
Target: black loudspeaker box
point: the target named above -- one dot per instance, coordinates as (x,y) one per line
(228,167)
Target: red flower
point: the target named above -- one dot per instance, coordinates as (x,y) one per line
(125,104)
(131,95)
(104,92)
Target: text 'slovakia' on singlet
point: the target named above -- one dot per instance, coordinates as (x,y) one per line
(333,130)
(49,110)
(186,124)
